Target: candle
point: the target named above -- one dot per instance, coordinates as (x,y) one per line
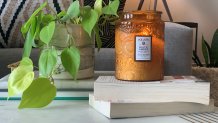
(139,46)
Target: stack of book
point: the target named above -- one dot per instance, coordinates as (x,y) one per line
(173,95)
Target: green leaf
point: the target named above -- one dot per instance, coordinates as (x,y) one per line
(84,10)
(98,7)
(205,51)
(35,34)
(73,11)
(47,32)
(19,81)
(112,8)
(26,62)
(209,51)
(21,77)
(41,15)
(60,37)
(33,26)
(28,44)
(26,26)
(39,94)
(70,58)
(37,42)
(46,19)
(97,37)
(47,62)
(214,49)
(89,21)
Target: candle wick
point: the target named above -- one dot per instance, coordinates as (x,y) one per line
(155,5)
(140,4)
(149,6)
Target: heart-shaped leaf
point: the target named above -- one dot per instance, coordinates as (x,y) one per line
(90,18)
(70,58)
(112,8)
(26,62)
(47,62)
(98,6)
(60,37)
(73,11)
(39,94)
(20,78)
(47,32)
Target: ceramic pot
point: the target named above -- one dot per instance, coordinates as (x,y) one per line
(83,41)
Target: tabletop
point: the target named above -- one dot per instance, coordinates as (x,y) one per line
(79,111)
(69,112)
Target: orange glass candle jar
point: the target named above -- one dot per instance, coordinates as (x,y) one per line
(139,46)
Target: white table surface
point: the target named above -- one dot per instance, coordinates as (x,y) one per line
(69,112)
(73,111)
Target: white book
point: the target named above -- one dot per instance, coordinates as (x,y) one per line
(126,110)
(61,84)
(71,84)
(80,83)
(171,89)
(66,83)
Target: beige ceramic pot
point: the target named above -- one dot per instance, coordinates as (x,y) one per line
(85,44)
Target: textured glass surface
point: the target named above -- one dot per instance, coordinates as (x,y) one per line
(129,26)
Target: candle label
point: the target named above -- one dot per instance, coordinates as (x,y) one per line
(143,45)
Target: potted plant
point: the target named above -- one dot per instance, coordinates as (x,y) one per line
(55,35)
(209,70)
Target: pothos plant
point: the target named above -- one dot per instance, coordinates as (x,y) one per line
(38,31)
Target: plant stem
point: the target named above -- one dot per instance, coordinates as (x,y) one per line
(81,3)
(196,62)
(51,78)
(196,58)
(104,3)
(36,67)
(69,36)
